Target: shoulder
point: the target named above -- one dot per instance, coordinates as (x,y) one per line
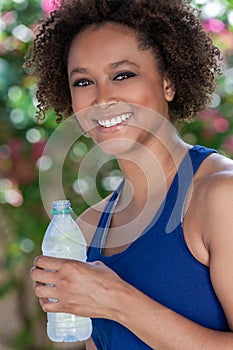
(209,206)
(215,180)
(215,190)
(214,195)
(89,219)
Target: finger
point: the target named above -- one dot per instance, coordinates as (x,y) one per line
(35,284)
(43,276)
(49,263)
(49,306)
(45,291)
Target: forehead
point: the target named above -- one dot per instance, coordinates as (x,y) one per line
(111,42)
(109,37)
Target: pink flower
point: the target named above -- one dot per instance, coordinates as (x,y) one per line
(214,25)
(213,123)
(37,150)
(17,146)
(208,114)
(50,5)
(221,124)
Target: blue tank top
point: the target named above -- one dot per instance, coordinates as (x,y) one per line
(159,264)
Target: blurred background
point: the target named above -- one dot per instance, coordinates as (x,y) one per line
(23,219)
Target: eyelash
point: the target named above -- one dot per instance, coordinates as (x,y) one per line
(125,75)
(82,82)
(86,82)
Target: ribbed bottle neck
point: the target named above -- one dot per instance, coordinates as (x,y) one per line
(61,207)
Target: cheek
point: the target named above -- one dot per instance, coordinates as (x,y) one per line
(154,99)
(83,117)
(79,101)
(73,101)
(145,94)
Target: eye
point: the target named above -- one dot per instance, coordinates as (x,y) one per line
(124,75)
(82,82)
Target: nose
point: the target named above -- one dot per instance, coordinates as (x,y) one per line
(105,95)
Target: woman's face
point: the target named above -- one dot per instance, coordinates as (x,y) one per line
(114,84)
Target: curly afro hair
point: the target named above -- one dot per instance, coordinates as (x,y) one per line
(172,29)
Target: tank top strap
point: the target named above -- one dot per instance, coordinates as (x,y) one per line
(106,216)
(176,196)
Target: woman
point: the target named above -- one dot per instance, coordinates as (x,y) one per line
(161,246)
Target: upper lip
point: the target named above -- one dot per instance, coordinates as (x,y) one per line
(108,112)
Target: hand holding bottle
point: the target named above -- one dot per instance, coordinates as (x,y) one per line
(86,289)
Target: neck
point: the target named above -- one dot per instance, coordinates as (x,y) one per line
(149,171)
(152,167)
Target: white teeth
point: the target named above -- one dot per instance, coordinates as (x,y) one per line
(114,121)
(118,120)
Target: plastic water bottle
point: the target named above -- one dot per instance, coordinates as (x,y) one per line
(64,239)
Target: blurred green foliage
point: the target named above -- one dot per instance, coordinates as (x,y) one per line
(22,140)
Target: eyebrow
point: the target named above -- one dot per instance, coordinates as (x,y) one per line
(78,70)
(121,63)
(113,65)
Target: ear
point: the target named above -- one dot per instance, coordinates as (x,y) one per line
(169,89)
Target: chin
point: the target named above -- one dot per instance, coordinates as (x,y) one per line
(117,146)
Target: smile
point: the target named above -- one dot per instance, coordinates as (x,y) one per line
(107,123)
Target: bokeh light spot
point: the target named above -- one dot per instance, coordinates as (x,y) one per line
(33,135)
(44,163)
(83,185)
(216,101)
(27,245)
(78,151)
(230,17)
(14,197)
(22,33)
(15,93)
(110,182)
(213,8)
(17,116)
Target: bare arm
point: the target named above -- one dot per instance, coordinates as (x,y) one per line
(163,329)
(100,292)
